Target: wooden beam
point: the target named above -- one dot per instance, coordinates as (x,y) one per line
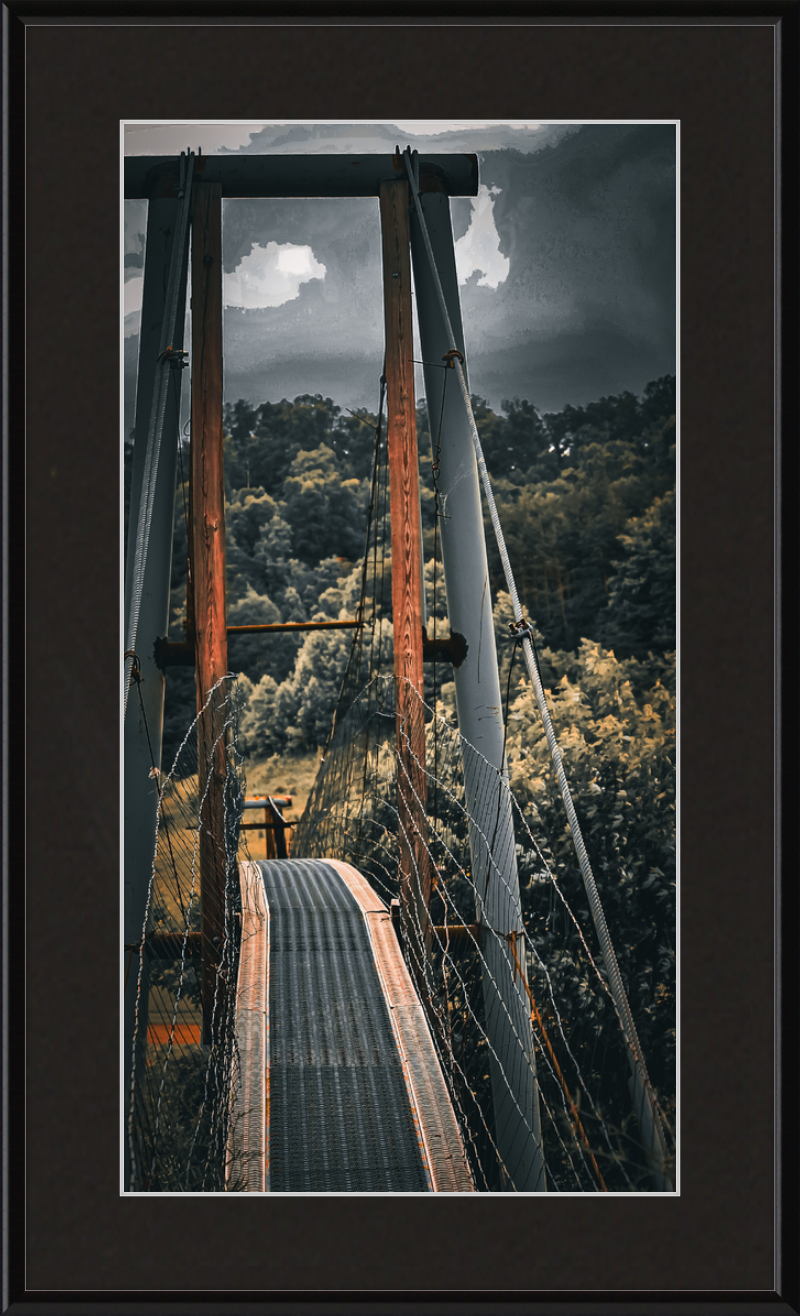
(208,584)
(267,627)
(406,575)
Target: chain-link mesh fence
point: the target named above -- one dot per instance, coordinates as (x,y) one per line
(182,1072)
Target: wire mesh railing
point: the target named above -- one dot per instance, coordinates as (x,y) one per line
(183,1072)
(582,1117)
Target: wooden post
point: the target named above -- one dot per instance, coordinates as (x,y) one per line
(208,585)
(406,575)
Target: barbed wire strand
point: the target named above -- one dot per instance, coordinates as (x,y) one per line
(638,1065)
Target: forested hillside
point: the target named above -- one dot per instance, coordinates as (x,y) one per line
(587,501)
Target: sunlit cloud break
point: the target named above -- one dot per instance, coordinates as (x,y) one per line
(134,287)
(479,248)
(271,275)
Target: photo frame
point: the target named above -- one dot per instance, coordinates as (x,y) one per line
(729,1238)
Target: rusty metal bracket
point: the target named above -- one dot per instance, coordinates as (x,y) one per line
(452,649)
(173,653)
(451,357)
(452,934)
(462,934)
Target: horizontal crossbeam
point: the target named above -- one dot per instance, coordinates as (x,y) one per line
(266,627)
(181,653)
(299,175)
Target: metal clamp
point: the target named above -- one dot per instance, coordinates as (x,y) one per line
(175,357)
(451,357)
(136,668)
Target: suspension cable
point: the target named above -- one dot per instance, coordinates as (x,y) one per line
(636,1056)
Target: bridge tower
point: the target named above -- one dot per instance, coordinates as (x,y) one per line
(209,180)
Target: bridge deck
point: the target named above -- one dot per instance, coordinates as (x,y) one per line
(341,1089)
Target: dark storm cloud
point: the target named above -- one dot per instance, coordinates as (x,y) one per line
(378,137)
(134,260)
(333,319)
(588,307)
(589,303)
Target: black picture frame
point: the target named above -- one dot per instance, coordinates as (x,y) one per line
(730,75)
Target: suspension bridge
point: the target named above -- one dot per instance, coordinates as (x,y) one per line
(383,1007)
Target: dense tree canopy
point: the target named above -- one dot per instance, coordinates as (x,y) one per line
(615,723)
(586,498)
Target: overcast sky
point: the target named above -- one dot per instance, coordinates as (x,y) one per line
(566,261)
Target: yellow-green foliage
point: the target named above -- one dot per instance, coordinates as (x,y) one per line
(615,724)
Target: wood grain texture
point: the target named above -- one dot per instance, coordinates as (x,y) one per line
(208,485)
(406,567)
(402,435)
(208,578)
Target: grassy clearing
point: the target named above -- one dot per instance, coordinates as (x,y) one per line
(280,774)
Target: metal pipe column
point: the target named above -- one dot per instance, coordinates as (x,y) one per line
(479,704)
(140,794)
